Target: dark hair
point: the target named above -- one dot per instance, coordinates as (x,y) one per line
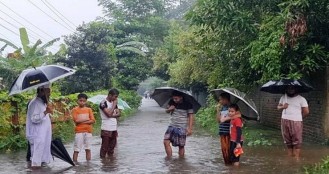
(82,95)
(235,107)
(113,91)
(177,93)
(39,90)
(225,95)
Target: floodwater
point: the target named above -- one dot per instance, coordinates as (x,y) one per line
(140,150)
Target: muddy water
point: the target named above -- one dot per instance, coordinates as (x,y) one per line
(140,150)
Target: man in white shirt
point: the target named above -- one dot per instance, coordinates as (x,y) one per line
(294,107)
(109,114)
(38,127)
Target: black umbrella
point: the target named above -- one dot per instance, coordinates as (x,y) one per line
(279,86)
(163,95)
(247,106)
(39,76)
(58,150)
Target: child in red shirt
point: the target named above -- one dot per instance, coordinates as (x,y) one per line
(235,133)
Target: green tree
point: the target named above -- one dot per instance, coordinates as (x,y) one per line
(88,52)
(261,40)
(98,51)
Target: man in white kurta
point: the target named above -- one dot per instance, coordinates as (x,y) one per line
(38,128)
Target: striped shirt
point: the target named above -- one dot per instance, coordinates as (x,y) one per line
(179,117)
(224,128)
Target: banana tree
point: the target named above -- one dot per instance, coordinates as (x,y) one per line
(133,46)
(22,58)
(138,48)
(26,55)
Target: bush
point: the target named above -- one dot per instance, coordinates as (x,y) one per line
(206,116)
(64,128)
(319,168)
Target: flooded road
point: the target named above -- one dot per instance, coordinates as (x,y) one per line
(140,150)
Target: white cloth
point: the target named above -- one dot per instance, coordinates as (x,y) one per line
(294,110)
(82,140)
(108,124)
(38,132)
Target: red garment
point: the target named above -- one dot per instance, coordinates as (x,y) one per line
(237,122)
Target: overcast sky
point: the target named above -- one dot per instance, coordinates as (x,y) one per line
(76,11)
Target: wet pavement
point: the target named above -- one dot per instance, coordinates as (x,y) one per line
(140,150)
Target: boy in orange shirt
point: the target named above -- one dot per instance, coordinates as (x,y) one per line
(84,118)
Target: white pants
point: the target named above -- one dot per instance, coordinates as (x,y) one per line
(82,140)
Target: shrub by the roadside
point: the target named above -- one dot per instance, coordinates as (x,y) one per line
(63,124)
(318,168)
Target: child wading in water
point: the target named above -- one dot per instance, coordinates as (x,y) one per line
(224,126)
(235,134)
(84,118)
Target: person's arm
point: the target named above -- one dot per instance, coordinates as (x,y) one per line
(91,118)
(37,114)
(190,124)
(282,105)
(170,109)
(74,116)
(108,112)
(238,137)
(238,133)
(117,112)
(218,115)
(305,111)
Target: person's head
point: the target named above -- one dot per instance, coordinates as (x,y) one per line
(224,98)
(233,110)
(82,100)
(177,96)
(44,92)
(113,94)
(291,91)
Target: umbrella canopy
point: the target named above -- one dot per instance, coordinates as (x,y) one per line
(58,150)
(98,98)
(39,76)
(164,94)
(247,106)
(279,86)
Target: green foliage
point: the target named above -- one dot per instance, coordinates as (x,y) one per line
(62,129)
(258,135)
(261,40)
(88,52)
(12,142)
(206,116)
(319,168)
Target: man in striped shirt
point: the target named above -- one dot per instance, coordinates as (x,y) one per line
(181,124)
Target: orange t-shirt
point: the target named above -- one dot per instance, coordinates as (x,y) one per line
(84,113)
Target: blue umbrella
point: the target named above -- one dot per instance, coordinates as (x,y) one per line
(98,98)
